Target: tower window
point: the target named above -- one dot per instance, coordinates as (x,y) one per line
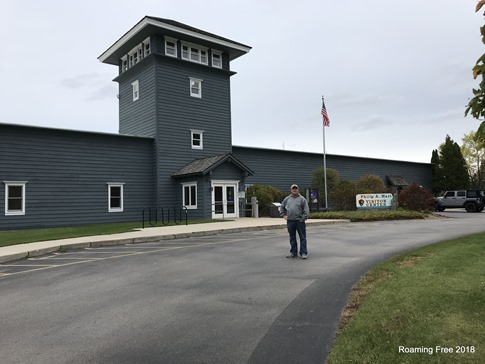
(197,139)
(146,47)
(194,54)
(216,59)
(171,47)
(136,90)
(195,87)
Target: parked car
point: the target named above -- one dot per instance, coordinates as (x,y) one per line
(471,200)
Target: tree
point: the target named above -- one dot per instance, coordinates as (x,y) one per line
(474,153)
(318,182)
(452,173)
(343,196)
(476,105)
(436,173)
(371,184)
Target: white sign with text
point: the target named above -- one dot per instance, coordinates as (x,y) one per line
(373,201)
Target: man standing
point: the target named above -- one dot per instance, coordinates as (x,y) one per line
(294,209)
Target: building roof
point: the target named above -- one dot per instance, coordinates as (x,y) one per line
(205,165)
(397,181)
(151,25)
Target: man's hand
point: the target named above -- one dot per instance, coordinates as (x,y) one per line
(285,217)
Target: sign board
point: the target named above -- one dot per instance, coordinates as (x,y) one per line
(373,201)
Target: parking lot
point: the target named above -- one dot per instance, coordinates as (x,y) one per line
(229,298)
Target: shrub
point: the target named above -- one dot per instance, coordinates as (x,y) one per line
(266,195)
(416,198)
(371,184)
(343,196)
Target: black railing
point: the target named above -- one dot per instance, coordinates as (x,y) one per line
(164,216)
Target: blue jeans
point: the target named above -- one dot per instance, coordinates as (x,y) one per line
(300,227)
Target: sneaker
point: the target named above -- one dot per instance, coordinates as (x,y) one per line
(304,256)
(292,256)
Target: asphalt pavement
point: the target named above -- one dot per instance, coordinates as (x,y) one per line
(229,296)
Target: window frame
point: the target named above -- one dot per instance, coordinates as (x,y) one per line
(175,50)
(192,192)
(198,83)
(119,185)
(194,132)
(146,47)
(218,54)
(8,184)
(136,90)
(196,54)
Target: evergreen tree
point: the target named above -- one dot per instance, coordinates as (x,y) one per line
(453,166)
(318,182)
(436,173)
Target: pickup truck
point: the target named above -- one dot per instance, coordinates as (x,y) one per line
(471,200)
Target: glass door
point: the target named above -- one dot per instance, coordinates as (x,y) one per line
(224,200)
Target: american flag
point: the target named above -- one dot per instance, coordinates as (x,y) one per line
(326,120)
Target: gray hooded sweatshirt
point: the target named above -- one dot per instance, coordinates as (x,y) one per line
(295,207)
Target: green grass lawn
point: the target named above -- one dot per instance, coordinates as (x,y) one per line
(415,307)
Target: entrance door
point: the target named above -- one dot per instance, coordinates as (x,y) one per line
(224,200)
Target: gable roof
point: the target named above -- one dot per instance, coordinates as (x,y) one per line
(397,181)
(205,165)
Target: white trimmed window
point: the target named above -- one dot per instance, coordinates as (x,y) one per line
(195,87)
(194,53)
(14,198)
(146,47)
(217,59)
(197,139)
(124,64)
(171,47)
(115,197)
(189,195)
(136,90)
(136,55)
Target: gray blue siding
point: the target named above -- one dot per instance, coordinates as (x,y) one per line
(67,174)
(280,169)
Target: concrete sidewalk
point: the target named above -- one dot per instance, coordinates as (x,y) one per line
(22,251)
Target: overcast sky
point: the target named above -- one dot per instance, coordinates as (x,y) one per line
(396,75)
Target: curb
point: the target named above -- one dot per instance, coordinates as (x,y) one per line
(96,243)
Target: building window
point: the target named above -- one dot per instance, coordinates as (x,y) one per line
(115,197)
(171,47)
(197,139)
(194,54)
(217,59)
(136,90)
(135,56)
(14,198)
(195,87)
(124,63)
(189,195)
(146,47)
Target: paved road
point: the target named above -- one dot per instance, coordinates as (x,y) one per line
(230,298)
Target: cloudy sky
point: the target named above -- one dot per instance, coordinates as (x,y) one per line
(396,75)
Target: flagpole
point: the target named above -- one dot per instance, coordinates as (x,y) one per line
(325,165)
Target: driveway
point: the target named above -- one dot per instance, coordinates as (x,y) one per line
(230,298)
